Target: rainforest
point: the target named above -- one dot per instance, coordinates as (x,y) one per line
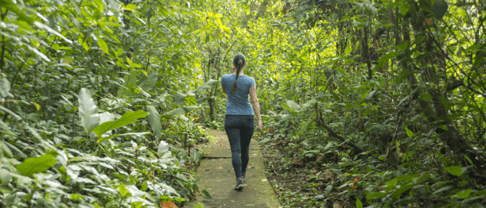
(365,103)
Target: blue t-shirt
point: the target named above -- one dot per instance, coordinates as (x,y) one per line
(238,102)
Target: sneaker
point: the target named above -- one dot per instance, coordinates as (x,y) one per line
(243,177)
(239,184)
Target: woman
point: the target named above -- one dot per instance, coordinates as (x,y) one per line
(238,121)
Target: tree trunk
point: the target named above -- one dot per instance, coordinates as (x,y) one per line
(211,108)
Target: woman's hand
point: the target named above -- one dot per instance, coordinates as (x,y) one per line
(260,125)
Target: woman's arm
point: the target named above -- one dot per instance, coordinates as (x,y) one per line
(256,106)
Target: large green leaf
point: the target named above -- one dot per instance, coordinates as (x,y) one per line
(202,99)
(291,106)
(161,98)
(409,133)
(403,74)
(440,8)
(123,190)
(130,81)
(45,27)
(36,165)
(454,170)
(478,59)
(375,195)
(370,95)
(402,46)
(5,177)
(154,121)
(181,110)
(102,44)
(10,112)
(464,194)
(5,129)
(359,204)
(105,117)
(147,83)
(206,195)
(88,111)
(348,49)
(384,59)
(131,7)
(398,193)
(127,118)
(180,97)
(207,84)
(122,135)
(4,88)
(18,9)
(5,150)
(163,148)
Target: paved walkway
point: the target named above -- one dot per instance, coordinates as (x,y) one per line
(218,177)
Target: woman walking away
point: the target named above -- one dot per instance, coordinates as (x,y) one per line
(238,121)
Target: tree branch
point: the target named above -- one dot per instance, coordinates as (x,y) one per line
(335,135)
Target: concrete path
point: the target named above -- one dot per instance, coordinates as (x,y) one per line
(218,178)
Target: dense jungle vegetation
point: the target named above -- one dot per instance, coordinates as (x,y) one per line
(366,103)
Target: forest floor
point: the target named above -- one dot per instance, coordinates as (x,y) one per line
(217,177)
(300,183)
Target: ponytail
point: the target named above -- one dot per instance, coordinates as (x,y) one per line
(239,61)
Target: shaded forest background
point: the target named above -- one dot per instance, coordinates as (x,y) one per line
(371,103)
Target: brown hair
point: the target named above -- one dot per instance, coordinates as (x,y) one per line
(239,61)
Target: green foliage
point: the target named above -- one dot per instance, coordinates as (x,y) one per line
(127,118)
(88,111)
(454,170)
(163,148)
(384,77)
(30,166)
(69,69)
(370,196)
(359,204)
(181,110)
(154,121)
(4,88)
(401,80)
(207,196)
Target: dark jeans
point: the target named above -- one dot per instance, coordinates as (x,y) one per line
(239,129)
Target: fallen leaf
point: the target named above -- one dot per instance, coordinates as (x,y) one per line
(328,175)
(319,157)
(297,162)
(333,195)
(337,204)
(345,188)
(168,205)
(219,167)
